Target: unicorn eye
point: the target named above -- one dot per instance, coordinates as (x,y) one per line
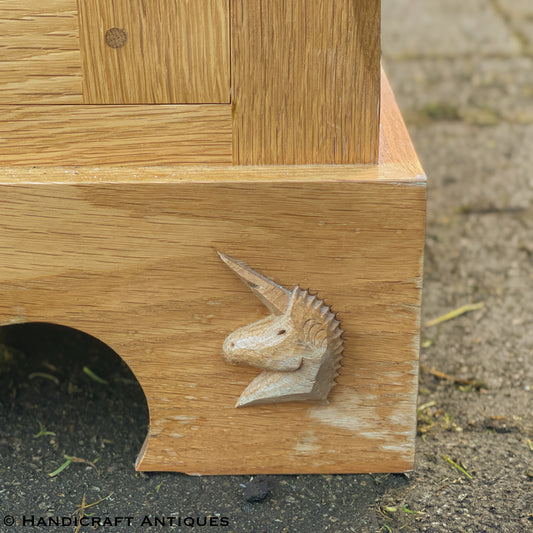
(282,332)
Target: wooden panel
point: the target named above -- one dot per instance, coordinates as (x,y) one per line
(40,59)
(398,159)
(175,51)
(100,135)
(137,248)
(305,81)
(395,145)
(135,265)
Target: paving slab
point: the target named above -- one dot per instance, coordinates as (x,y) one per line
(519,14)
(476,168)
(519,17)
(482,91)
(516,8)
(414,28)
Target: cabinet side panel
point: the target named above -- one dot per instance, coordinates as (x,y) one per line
(305,81)
(135,265)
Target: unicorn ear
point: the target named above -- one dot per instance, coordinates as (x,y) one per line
(274,296)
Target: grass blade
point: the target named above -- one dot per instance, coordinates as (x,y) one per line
(459,467)
(61,468)
(94,376)
(454,314)
(43,432)
(44,375)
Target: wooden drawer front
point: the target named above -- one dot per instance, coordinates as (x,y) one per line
(39,52)
(175,52)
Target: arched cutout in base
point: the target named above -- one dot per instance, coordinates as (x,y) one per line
(71,390)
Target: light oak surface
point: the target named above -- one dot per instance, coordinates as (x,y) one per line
(129,135)
(136,266)
(176,52)
(395,146)
(54,52)
(304,74)
(305,81)
(129,255)
(168,135)
(40,60)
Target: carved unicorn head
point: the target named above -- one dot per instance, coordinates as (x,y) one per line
(299,347)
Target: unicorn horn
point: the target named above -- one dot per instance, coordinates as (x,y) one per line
(274,296)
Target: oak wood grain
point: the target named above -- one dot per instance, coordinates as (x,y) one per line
(23,143)
(174,52)
(136,266)
(120,135)
(129,255)
(395,146)
(305,81)
(40,61)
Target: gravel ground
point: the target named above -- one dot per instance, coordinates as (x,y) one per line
(462,73)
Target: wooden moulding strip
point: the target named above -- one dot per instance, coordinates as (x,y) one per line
(397,158)
(115,135)
(395,147)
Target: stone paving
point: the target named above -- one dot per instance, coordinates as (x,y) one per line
(462,74)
